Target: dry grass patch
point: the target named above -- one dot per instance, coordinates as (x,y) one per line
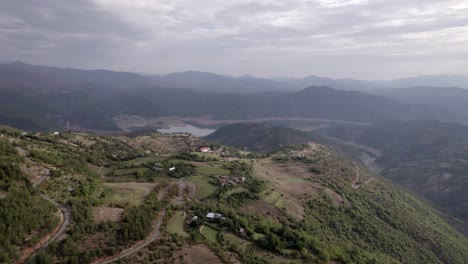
(34,170)
(105,213)
(196,254)
(265,208)
(292,182)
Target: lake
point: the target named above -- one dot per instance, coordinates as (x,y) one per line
(196,131)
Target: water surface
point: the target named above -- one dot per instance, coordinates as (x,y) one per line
(196,131)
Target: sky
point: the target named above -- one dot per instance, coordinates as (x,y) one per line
(362,39)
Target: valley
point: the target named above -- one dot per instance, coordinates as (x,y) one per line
(233,132)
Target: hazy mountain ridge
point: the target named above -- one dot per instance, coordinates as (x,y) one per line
(91,99)
(447,97)
(440,80)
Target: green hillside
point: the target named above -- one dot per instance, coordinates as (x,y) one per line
(301,204)
(427,157)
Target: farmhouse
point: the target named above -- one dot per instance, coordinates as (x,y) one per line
(172,169)
(214,217)
(205,149)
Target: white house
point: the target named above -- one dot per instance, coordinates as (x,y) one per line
(205,149)
(172,169)
(214,216)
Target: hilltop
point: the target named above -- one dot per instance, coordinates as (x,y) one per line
(298,204)
(259,137)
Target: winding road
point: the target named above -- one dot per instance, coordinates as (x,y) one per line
(152,237)
(179,200)
(66,221)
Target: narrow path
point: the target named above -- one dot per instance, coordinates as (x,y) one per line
(355,184)
(356,179)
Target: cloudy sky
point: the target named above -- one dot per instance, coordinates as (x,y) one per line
(373,39)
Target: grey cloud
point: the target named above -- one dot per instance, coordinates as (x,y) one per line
(371,39)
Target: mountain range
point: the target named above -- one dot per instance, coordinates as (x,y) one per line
(42,98)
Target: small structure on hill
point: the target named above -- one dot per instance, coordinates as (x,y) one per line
(205,149)
(193,219)
(172,169)
(242,232)
(157,167)
(214,217)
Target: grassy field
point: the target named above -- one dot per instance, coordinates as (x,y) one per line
(236,240)
(203,188)
(211,170)
(176,224)
(210,233)
(251,248)
(128,193)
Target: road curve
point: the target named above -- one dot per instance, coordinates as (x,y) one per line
(66,221)
(153,236)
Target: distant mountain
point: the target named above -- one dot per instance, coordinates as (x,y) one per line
(91,99)
(204,81)
(259,137)
(440,80)
(455,99)
(428,157)
(340,84)
(35,76)
(210,82)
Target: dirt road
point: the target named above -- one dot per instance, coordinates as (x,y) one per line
(152,237)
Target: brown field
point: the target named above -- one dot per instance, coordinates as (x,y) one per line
(105,213)
(82,139)
(291,181)
(265,208)
(34,170)
(197,254)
